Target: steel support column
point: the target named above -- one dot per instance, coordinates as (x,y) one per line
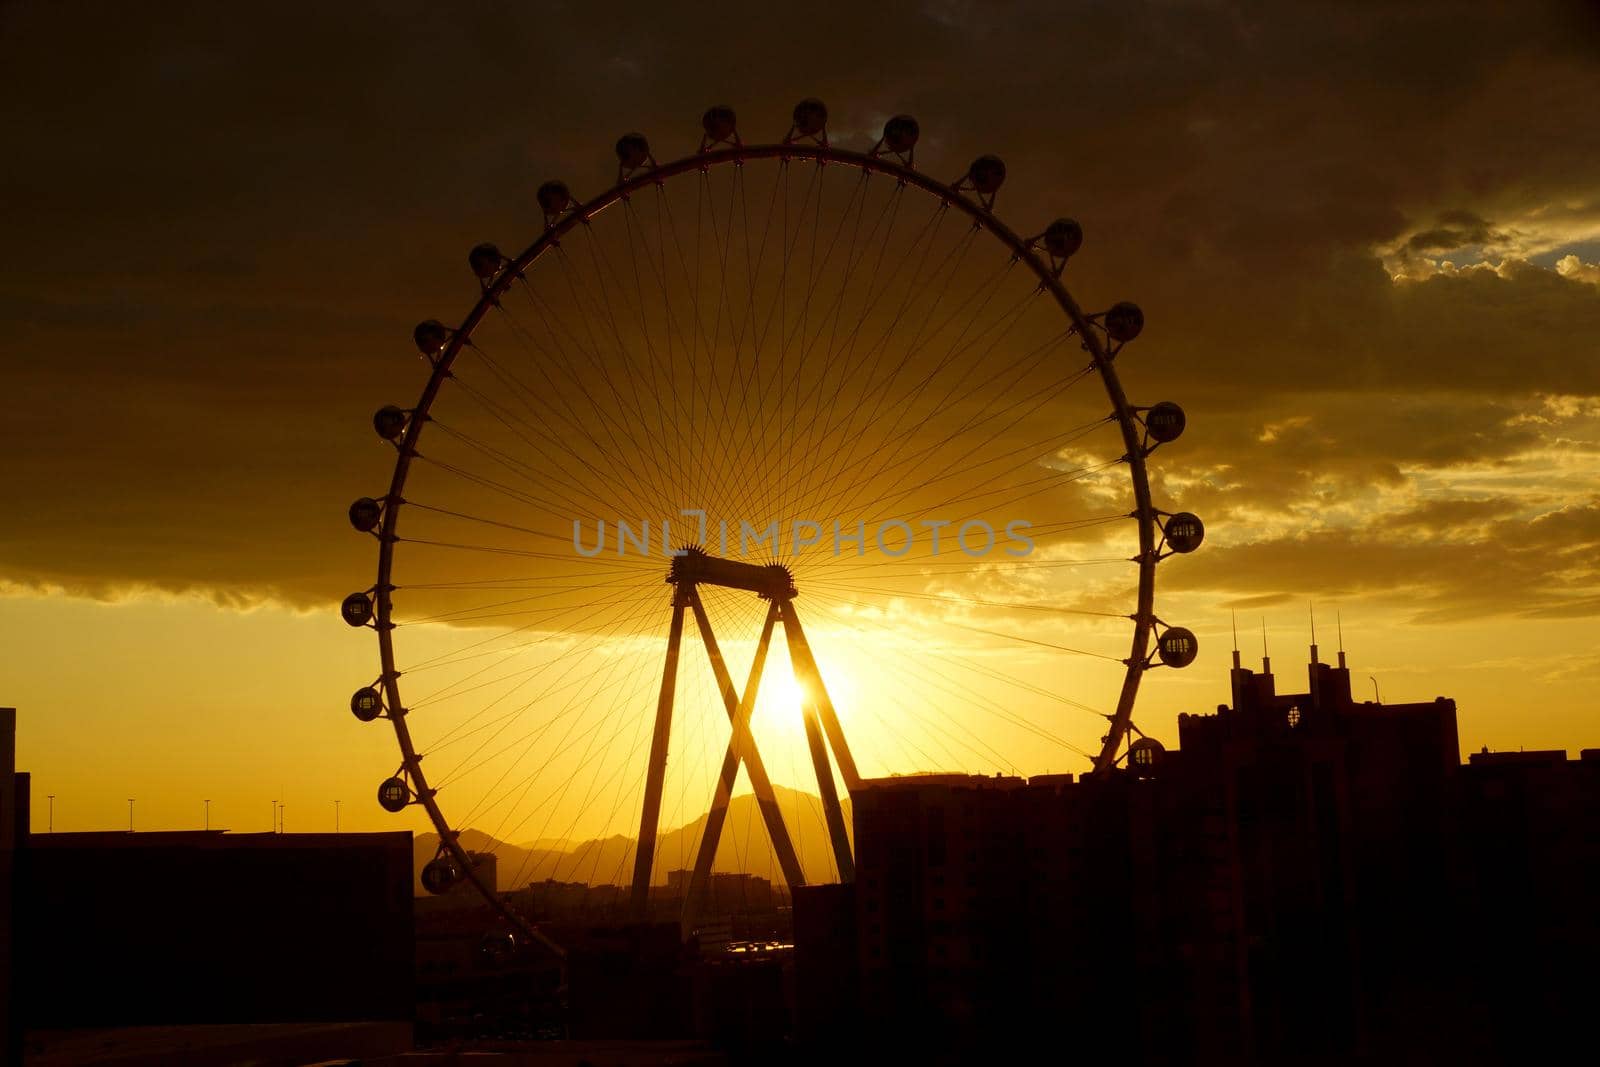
(817,698)
(739,746)
(656,775)
(760,784)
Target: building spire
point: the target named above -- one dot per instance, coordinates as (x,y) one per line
(1235,638)
(1339,619)
(1266,660)
(1312,608)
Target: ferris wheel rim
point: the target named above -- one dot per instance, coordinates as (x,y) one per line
(581,214)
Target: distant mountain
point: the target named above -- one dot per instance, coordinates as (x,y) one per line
(744,848)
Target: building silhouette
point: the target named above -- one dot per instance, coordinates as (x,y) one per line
(212,927)
(218,947)
(1306,878)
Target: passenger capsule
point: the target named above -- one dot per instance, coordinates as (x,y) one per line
(390,422)
(900,134)
(356,609)
(366,704)
(394,794)
(485,261)
(431,337)
(810,117)
(633,150)
(1063,238)
(987,174)
(1124,321)
(719,122)
(554,197)
(1178,647)
(365,513)
(1165,421)
(439,874)
(1184,532)
(1144,756)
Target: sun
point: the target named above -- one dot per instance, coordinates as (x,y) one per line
(788,693)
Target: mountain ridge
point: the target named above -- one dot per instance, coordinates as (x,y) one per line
(744,847)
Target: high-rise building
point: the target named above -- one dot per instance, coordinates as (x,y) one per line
(1296,882)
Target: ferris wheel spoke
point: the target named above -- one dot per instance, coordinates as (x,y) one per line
(561,683)
(695,397)
(864,367)
(796,406)
(521,496)
(780,419)
(659,366)
(757,326)
(513,798)
(588,757)
(1018,638)
(888,458)
(844,586)
(615,472)
(891,459)
(978,700)
(811,273)
(936,689)
(641,619)
(721,454)
(608,423)
(477,649)
(757,333)
(738,440)
(638,420)
(1034,453)
(876,390)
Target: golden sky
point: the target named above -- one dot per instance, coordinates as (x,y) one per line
(1365,242)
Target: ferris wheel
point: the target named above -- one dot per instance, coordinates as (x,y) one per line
(805,406)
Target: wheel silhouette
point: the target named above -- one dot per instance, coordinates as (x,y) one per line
(759,384)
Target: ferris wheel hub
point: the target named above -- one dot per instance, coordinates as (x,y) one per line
(773,581)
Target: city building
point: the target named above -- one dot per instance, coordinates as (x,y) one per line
(211,927)
(1305,878)
(183,945)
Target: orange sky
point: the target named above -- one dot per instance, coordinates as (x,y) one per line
(1364,242)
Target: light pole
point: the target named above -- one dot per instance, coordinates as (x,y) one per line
(335,816)
(50,826)
(274,816)
(1374,682)
(208,813)
(130,815)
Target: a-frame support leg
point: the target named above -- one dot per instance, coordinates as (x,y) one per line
(805,666)
(740,744)
(817,700)
(760,784)
(655,776)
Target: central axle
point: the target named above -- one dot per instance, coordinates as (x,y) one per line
(771,582)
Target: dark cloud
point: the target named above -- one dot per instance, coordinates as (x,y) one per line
(223,227)
(1457,229)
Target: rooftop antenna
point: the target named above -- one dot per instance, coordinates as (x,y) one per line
(1312,608)
(1266,661)
(1339,621)
(1236,639)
